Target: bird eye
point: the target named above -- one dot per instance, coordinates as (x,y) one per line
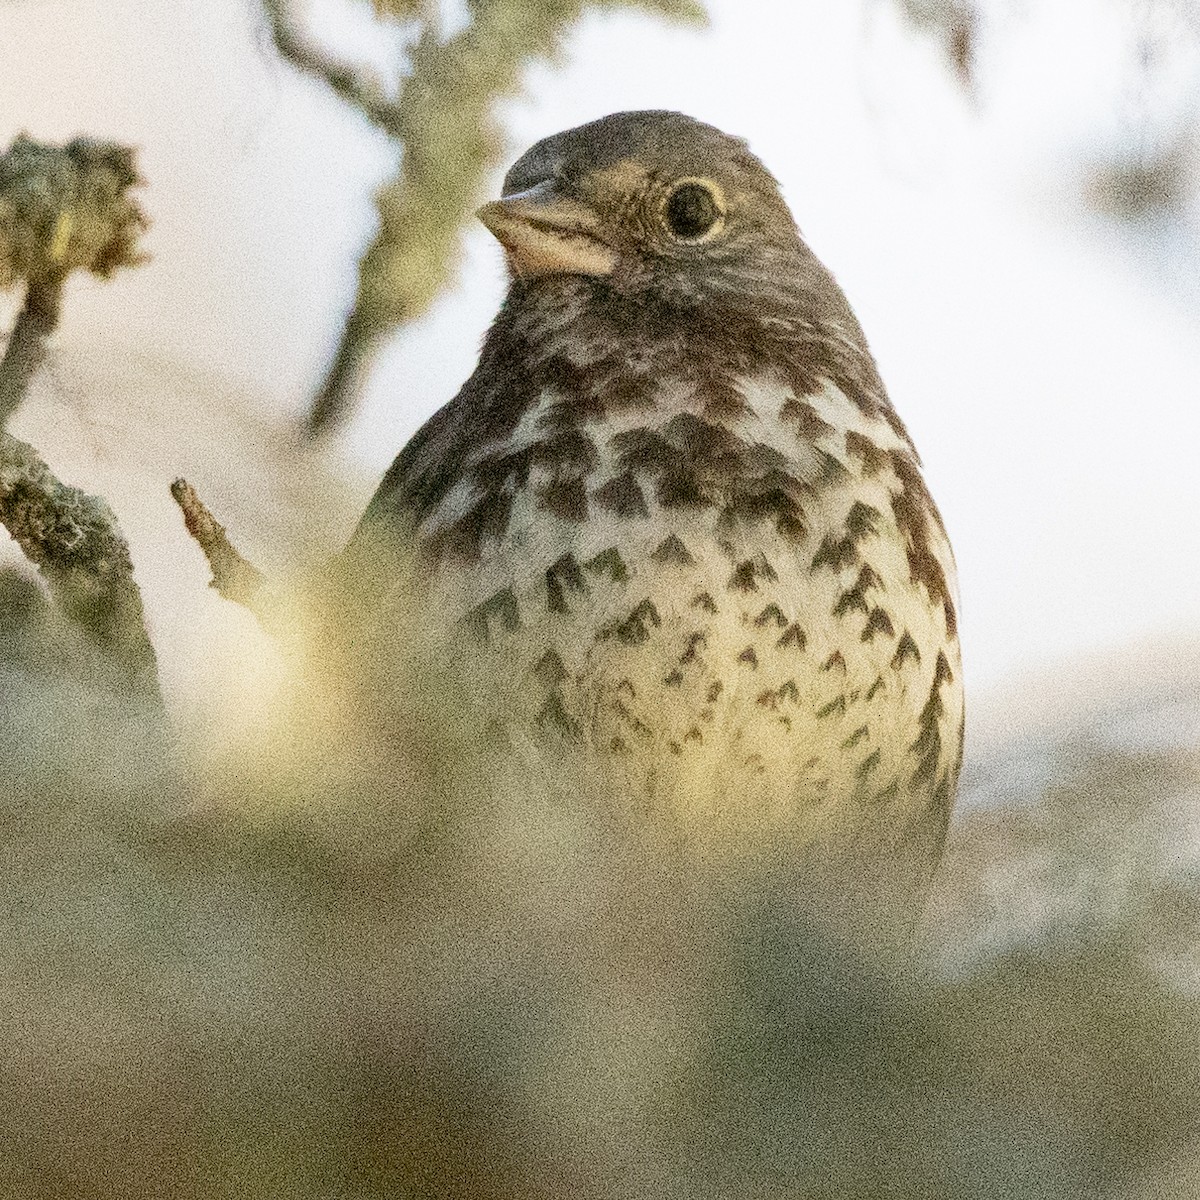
(691,210)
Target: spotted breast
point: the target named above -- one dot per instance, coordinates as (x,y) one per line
(674,507)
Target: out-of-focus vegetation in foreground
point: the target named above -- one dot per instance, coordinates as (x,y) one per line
(356,955)
(346,951)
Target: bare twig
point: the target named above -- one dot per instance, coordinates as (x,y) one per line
(234,577)
(75,542)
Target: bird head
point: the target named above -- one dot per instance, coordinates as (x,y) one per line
(647,203)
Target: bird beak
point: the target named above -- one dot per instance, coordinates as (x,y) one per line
(546,233)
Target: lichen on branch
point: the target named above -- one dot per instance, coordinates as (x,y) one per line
(76,544)
(62,209)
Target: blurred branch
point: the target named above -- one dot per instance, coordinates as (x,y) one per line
(444,120)
(61,209)
(75,542)
(955,23)
(26,347)
(64,209)
(367,97)
(234,577)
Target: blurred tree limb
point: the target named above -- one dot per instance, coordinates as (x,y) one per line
(75,542)
(954,23)
(64,209)
(443,117)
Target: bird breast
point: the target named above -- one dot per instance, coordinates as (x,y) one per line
(758,601)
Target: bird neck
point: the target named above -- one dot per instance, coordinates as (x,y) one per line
(605,349)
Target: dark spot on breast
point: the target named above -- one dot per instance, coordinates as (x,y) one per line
(834,662)
(941,670)
(675,679)
(550,671)
(709,445)
(773,496)
(643,451)
(563,577)
(789,691)
(679,488)
(608,563)
(635,629)
(622,495)
(771,615)
(570,409)
(833,470)
(703,600)
(855,598)
(492,473)
(878,622)
(557,372)
(749,657)
(714,692)
(916,515)
(809,423)
(837,705)
(928,744)
(692,650)
(905,649)
(566,498)
(673,552)
(748,574)
(856,737)
(872,458)
(554,718)
(793,636)
(500,611)
(861,520)
(464,538)
(619,389)
(868,764)
(719,398)
(835,553)
(568,448)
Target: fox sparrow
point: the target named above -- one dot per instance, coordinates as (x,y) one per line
(674,502)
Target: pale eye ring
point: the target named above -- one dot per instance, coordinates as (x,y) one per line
(692,210)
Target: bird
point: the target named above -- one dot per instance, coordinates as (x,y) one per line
(675,511)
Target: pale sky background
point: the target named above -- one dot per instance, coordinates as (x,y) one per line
(1045,359)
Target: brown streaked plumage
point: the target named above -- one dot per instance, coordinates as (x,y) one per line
(678,508)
